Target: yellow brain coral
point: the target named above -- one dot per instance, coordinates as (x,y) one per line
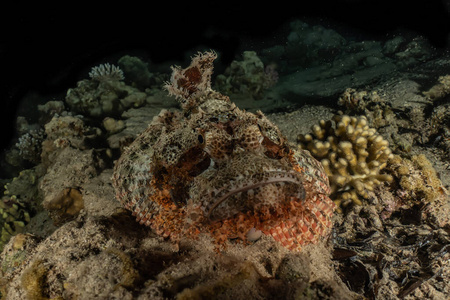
(352,153)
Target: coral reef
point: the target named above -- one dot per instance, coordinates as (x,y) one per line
(69,161)
(104,94)
(407,118)
(217,170)
(66,131)
(379,113)
(114,257)
(352,154)
(402,125)
(68,127)
(417,179)
(60,185)
(118,268)
(212,176)
(376,109)
(248,77)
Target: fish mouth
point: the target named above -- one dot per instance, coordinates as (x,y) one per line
(245,194)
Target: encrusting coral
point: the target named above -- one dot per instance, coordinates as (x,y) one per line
(33,280)
(417,179)
(368,103)
(352,154)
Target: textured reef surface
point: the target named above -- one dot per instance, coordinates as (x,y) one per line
(314,169)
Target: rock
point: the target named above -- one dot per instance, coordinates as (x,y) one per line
(60,185)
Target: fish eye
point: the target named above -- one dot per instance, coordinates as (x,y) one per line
(201,139)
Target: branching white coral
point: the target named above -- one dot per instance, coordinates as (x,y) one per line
(106,72)
(352,153)
(29,145)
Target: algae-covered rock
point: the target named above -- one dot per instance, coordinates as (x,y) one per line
(66,205)
(136,71)
(15,257)
(67,132)
(308,45)
(440,89)
(49,269)
(417,179)
(248,77)
(60,185)
(116,258)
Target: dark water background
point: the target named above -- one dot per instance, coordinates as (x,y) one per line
(46,50)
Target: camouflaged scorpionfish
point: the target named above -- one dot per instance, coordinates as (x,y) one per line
(218,170)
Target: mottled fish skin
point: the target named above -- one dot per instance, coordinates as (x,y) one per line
(215,169)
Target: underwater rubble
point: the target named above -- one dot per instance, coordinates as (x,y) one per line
(65,236)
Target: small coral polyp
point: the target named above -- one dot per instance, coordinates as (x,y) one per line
(352,154)
(216,170)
